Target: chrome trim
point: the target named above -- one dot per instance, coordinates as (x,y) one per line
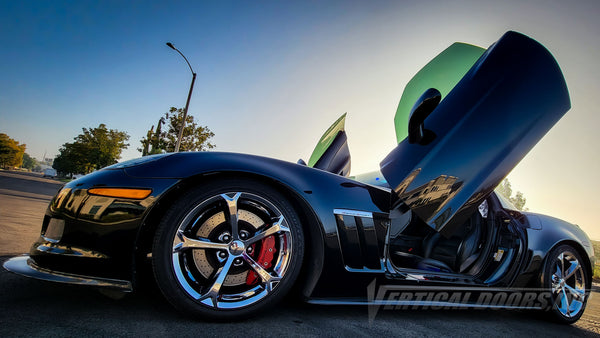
(25,266)
(363,302)
(355,213)
(367,270)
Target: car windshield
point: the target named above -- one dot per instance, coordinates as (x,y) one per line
(505,202)
(441,73)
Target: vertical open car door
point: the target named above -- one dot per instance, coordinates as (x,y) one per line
(466,135)
(331,153)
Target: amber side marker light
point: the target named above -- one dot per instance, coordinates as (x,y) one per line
(121,192)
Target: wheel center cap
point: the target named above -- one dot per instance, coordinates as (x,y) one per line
(236,248)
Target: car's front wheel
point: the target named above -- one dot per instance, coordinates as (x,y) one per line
(228,249)
(566,278)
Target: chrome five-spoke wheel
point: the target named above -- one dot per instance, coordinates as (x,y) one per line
(567,281)
(235,248)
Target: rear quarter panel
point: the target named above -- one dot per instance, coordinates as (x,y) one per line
(553,233)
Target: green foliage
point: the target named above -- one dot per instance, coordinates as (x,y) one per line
(504,188)
(29,162)
(11,152)
(152,143)
(518,200)
(596,245)
(195,137)
(94,149)
(71,160)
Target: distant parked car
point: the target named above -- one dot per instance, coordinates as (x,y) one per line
(49,173)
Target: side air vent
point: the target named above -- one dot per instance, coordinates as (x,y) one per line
(361,240)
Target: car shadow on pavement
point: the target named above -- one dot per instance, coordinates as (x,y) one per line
(32,307)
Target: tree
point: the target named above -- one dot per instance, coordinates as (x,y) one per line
(195,137)
(11,152)
(29,162)
(94,149)
(152,144)
(72,160)
(518,200)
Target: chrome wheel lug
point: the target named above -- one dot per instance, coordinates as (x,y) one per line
(249,250)
(222,254)
(224,237)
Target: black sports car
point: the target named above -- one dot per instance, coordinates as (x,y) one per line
(227,234)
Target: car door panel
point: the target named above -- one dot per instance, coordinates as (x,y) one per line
(482,128)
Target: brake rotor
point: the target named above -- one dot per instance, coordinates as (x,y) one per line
(205,265)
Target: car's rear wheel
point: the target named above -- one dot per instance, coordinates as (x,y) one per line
(228,249)
(565,275)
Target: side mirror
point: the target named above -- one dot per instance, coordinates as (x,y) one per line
(416,122)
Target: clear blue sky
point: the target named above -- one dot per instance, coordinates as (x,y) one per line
(273,75)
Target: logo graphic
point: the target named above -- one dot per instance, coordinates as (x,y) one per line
(394,297)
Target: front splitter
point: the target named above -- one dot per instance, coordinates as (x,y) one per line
(25,266)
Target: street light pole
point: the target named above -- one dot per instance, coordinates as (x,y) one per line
(187,103)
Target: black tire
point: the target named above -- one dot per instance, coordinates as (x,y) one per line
(566,277)
(224,281)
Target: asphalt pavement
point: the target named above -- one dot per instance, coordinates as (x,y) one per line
(35,308)
(23,200)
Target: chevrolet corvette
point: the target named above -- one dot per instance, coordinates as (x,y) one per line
(226,235)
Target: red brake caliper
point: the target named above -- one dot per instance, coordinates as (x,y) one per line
(265,258)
